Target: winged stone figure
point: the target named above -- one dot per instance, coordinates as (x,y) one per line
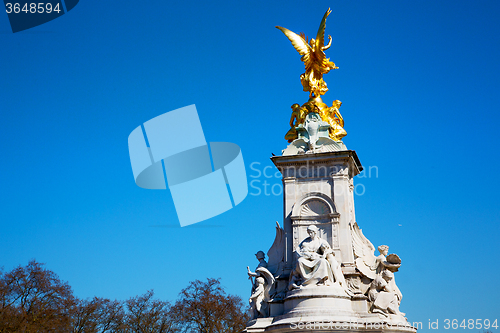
(377,268)
(260,297)
(366,261)
(314,58)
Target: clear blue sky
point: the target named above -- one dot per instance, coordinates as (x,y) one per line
(419,82)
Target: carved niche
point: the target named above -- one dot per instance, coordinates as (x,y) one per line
(317,209)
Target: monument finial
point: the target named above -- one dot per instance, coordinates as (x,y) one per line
(314,58)
(317,64)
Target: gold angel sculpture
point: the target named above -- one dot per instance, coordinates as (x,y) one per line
(316,64)
(314,58)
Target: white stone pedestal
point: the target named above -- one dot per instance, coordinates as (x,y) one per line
(318,190)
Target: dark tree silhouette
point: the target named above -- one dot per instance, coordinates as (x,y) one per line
(204,307)
(147,315)
(98,315)
(33,299)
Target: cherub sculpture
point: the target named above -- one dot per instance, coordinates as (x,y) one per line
(314,58)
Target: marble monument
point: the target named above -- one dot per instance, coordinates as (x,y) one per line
(321,272)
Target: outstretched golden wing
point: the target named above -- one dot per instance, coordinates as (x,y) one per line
(299,44)
(323,62)
(320,37)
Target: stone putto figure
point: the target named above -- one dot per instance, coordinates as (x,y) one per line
(378,266)
(316,264)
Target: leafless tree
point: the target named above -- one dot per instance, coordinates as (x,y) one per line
(147,315)
(33,299)
(98,315)
(204,307)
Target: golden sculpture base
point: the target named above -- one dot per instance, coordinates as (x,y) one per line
(330,115)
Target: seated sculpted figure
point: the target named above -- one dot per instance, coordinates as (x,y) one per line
(384,294)
(316,264)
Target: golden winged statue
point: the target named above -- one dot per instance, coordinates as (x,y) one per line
(314,58)
(317,64)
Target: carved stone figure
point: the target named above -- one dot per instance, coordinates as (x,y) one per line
(374,267)
(311,130)
(316,264)
(261,286)
(366,261)
(258,306)
(379,260)
(261,257)
(392,263)
(385,299)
